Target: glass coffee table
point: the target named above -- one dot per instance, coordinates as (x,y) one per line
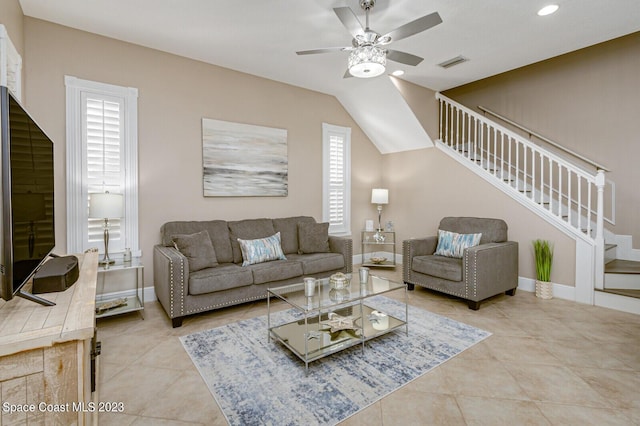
(333,320)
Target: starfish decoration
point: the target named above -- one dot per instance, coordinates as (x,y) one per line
(337,322)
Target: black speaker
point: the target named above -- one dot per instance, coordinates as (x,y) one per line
(56,274)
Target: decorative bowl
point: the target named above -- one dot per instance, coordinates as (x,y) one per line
(378,260)
(338,281)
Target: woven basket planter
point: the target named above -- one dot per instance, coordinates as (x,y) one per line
(544,289)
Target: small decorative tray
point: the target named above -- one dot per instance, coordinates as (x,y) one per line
(378,260)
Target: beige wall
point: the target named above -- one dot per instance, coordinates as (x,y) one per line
(174,95)
(588,101)
(11,18)
(425,185)
(428,185)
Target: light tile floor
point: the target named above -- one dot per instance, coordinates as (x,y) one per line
(548,362)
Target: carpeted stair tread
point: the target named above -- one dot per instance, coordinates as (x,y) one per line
(619,266)
(623,292)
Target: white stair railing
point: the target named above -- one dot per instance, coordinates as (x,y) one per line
(553,186)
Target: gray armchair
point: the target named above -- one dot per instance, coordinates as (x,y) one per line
(485,270)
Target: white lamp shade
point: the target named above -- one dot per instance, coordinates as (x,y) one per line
(379,196)
(105,205)
(367,62)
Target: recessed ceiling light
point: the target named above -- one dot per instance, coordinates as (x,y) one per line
(398,73)
(548,10)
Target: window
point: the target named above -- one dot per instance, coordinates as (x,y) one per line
(336,155)
(102,152)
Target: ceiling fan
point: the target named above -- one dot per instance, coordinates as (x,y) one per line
(368,56)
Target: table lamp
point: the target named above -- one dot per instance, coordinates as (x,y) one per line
(379,196)
(105,206)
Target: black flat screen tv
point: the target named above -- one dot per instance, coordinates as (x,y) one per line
(27,225)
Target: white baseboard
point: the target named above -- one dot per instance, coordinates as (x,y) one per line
(602,299)
(617,302)
(561,291)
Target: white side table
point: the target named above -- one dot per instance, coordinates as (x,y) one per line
(374,241)
(133,302)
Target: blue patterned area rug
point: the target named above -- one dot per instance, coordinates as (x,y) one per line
(256,381)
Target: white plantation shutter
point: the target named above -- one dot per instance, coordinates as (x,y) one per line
(102,155)
(336,178)
(10,65)
(102,134)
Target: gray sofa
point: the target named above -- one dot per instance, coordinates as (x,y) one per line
(182,291)
(485,270)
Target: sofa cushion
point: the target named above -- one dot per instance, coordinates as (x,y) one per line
(249,229)
(197,248)
(275,271)
(261,250)
(313,238)
(217,229)
(493,230)
(318,262)
(448,268)
(452,244)
(224,277)
(288,228)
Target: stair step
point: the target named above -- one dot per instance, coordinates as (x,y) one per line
(619,266)
(610,251)
(622,275)
(624,292)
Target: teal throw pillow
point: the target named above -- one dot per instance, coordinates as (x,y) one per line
(452,244)
(261,250)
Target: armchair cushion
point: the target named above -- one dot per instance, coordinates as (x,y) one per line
(448,268)
(493,230)
(452,244)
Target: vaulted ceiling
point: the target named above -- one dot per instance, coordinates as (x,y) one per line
(261,37)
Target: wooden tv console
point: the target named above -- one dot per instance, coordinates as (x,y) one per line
(46,354)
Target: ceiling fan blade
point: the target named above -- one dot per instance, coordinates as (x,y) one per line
(323,50)
(349,20)
(415,27)
(403,57)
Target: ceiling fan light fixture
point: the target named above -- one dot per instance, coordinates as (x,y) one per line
(367,62)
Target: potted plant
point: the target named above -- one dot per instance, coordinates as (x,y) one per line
(543,251)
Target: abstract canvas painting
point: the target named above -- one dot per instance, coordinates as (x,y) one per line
(243,160)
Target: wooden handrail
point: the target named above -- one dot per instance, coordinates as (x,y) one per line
(598,166)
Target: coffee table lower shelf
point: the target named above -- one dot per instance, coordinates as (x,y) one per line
(309,343)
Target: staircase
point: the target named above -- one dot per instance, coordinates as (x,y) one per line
(568,193)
